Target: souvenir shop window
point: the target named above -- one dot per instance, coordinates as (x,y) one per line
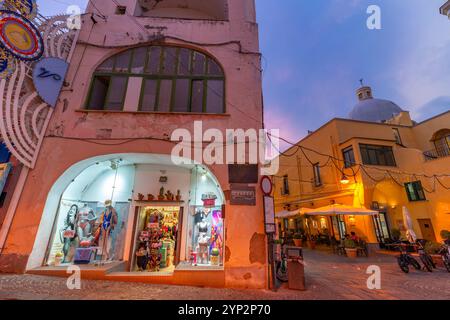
(206,236)
(88,232)
(156,245)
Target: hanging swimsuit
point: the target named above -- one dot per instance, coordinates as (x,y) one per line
(203,228)
(107,220)
(84,219)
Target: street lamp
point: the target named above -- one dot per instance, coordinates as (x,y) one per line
(345,180)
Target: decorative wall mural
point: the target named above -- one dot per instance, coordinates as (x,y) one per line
(20,37)
(24,115)
(27,8)
(7,64)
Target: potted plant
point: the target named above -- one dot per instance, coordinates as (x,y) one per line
(150,197)
(161,195)
(298,240)
(215,257)
(445,234)
(170,196)
(350,248)
(396,234)
(58,258)
(178,196)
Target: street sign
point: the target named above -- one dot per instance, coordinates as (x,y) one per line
(266,185)
(269,215)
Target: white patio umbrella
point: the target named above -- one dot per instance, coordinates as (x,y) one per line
(339,209)
(285,214)
(410,234)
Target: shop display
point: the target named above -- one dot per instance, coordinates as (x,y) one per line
(68,233)
(156,239)
(108,222)
(207,238)
(85,223)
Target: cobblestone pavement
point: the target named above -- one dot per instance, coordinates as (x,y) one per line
(328,277)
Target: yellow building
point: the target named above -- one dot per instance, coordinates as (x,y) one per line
(378,159)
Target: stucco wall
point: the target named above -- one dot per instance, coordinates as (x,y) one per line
(233,43)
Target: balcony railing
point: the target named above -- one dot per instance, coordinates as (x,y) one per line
(436,154)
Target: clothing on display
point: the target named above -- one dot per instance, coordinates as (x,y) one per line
(206,248)
(156,239)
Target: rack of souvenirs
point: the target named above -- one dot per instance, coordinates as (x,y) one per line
(156,248)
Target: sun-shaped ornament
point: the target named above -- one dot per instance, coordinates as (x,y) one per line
(20,37)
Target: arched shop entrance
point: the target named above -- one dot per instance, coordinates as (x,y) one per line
(138,211)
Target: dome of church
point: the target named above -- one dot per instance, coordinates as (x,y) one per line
(373,110)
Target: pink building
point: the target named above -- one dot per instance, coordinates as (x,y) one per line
(140,70)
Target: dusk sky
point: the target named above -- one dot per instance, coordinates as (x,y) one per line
(315,52)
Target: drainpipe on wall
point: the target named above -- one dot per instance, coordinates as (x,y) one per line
(12,207)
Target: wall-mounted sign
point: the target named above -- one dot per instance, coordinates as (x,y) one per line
(266,185)
(243,173)
(20,37)
(269,215)
(48,78)
(242,195)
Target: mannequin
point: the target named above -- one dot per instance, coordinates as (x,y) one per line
(203,227)
(108,222)
(69,225)
(84,221)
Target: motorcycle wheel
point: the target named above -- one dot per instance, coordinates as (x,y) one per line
(426,263)
(403,266)
(447,263)
(414,263)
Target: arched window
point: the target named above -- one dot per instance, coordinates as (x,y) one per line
(158,79)
(441,140)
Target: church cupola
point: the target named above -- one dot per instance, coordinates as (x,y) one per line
(364,93)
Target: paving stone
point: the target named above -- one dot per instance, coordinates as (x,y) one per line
(328,277)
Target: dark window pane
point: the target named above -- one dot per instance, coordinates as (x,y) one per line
(138,64)
(123,62)
(170,60)
(106,66)
(181,96)
(165,93)
(213,68)
(98,94)
(149,95)
(184,64)
(153,63)
(197,96)
(199,63)
(215,99)
(116,93)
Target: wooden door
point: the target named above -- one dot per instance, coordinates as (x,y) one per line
(427,229)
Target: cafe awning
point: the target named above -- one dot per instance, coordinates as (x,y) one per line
(339,209)
(286,214)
